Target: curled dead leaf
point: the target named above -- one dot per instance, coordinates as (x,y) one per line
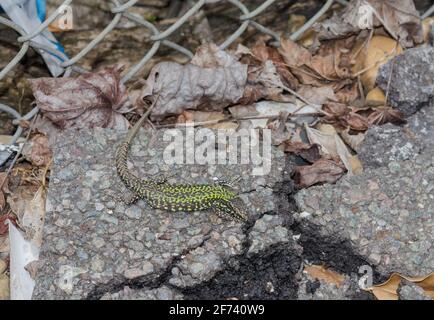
(324,170)
(353,140)
(37,150)
(332,144)
(264,53)
(3,189)
(388,289)
(214,82)
(4,243)
(344,117)
(398,17)
(90,100)
(317,95)
(309,152)
(323,274)
(382,115)
(3,225)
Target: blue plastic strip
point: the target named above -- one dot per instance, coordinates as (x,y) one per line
(41,9)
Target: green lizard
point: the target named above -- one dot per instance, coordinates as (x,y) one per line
(175,197)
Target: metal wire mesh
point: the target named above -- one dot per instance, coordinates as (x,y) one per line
(121,10)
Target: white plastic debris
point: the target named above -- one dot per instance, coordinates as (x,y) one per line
(22,252)
(29,14)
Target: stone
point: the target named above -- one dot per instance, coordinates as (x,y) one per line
(412,85)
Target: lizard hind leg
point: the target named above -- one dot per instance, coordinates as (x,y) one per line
(127,200)
(227,210)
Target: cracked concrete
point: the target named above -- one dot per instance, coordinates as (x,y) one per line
(113,245)
(96,248)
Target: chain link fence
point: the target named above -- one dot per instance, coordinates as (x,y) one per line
(159,38)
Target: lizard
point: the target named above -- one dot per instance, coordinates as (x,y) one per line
(175,197)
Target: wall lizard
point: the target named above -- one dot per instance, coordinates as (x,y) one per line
(175,197)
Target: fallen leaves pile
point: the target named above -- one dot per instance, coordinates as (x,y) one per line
(387,290)
(318,100)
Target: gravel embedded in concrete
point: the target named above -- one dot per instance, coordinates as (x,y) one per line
(388,143)
(411,86)
(92,243)
(387,213)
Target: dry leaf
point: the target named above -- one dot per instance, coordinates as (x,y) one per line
(344,117)
(294,54)
(3,225)
(4,287)
(193,86)
(216,119)
(264,53)
(353,140)
(3,266)
(398,17)
(324,274)
(2,200)
(388,289)
(90,100)
(333,145)
(317,95)
(324,170)
(4,243)
(329,67)
(33,267)
(32,220)
(28,204)
(4,189)
(266,110)
(37,150)
(378,51)
(199,116)
(375,98)
(426,27)
(382,115)
(309,152)
(280,130)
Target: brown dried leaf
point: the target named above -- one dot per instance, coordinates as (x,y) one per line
(90,100)
(4,243)
(344,117)
(215,119)
(317,95)
(388,289)
(398,17)
(192,86)
(263,53)
(4,287)
(20,198)
(4,183)
(324,274)
(332,144)
(199,116)
(353,140)
(355,122)
(293,54)
(347,93)
(324,170)
(3,226)
(382,115)
(33,217)
(330,67)
(309,152)
(37,150)
(2,200)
